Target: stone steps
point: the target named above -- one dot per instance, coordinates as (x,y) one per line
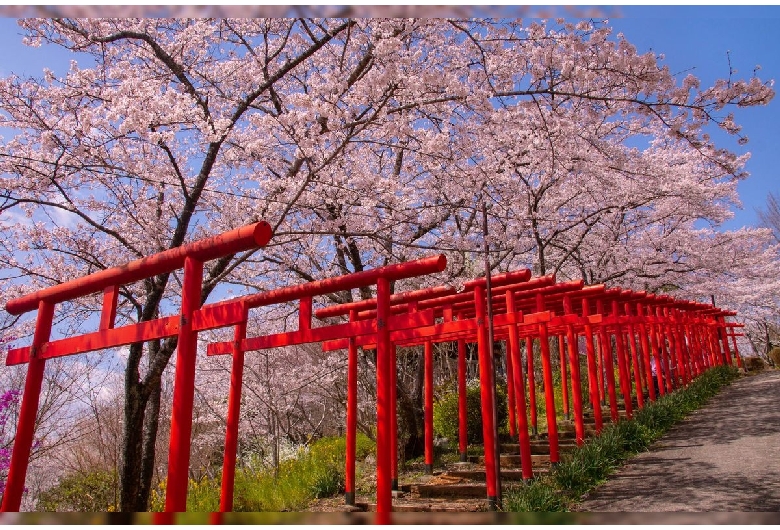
(514,460)
(541,447)
(509,475)
(453,490)
(444,505)
(463,490)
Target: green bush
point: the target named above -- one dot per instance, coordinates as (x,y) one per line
(538,496)
(96,491)
(445,413)
(317,472)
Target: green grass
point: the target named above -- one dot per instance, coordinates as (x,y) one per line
(317,471)
(589,465)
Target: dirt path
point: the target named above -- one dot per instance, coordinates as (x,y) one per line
(724,457)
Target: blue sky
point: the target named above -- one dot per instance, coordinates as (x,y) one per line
(701,38)
(697,39)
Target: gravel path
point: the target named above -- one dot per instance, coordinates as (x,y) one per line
(724,457)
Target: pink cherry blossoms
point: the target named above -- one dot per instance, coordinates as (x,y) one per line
(363,142)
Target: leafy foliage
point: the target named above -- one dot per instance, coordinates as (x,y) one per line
(97,491)
(317,471)
(7,400)
(445,413)
(754,364)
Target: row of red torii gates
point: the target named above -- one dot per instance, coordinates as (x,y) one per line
(683,338)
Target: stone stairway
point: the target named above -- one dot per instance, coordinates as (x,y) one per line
(460,487)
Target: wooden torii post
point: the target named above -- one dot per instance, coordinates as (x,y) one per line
(447,330)
(378,329)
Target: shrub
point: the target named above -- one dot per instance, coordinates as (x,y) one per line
(754,364)
(203,494)
(95,491)
(774,354)
(317,471)
(445,413)
(538,496)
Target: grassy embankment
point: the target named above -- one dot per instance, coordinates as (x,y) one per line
(317,471)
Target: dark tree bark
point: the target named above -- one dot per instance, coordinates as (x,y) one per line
(410,411)
(151,427)
(132,448)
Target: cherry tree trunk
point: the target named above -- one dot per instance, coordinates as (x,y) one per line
(130,494)
(410,413)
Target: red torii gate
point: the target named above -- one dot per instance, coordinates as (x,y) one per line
(733,334)
(551,309)
(186,325)
(469,307)
(427,300)
(531,308)
(466,329)
(378,329)
(541,312)
(190,257)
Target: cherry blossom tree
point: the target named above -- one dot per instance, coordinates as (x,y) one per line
(770,217)
(765,327)
(7,400)
(66,386)
(362,142)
